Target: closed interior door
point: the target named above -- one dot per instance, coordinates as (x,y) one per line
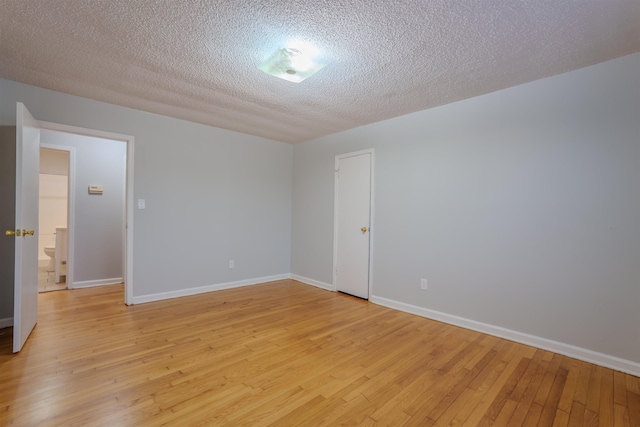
(353,223)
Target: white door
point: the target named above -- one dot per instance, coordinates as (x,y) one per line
(352,224)
(25,301)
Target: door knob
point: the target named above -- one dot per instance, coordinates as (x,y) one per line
(363,229)
(29,232)
(18,232)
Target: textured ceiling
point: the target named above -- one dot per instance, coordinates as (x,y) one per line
(198,60)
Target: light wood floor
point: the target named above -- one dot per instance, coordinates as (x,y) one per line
(284,354)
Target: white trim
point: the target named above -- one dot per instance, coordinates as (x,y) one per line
(99,282)
(6,323)
(339,157)
(128,227)
(203,289)
(371,222)
(71,204)
(312,282)
(584,354)
(334,267)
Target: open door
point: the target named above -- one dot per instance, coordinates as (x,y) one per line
(25,299)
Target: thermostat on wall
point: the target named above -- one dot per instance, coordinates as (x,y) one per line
(95,189)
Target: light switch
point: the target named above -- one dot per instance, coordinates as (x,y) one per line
(141,204)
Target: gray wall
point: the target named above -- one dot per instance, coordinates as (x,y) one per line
(99,219)
(521,207)
(212,195)
(7,219)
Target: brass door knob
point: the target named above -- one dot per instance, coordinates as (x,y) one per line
(10,233)
(363,229)
(28,232)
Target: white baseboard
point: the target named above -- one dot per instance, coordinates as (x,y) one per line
(203,289)
(100,282)
(312,282)
(590,356)
(5,323)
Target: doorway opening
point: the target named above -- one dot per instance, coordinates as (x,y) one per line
(54,201)
(85,223)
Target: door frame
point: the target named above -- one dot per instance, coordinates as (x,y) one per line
(128,202)
(370,151)
(71,203)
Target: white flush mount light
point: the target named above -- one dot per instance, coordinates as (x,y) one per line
(290,64)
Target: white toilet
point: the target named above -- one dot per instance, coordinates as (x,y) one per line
(51,253)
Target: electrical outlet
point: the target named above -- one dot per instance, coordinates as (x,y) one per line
(231,264)
(423,284)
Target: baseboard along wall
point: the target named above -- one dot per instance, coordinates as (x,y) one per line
(100,282)
(209,288)
(579,353)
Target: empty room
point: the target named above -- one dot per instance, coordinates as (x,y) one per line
(319,213)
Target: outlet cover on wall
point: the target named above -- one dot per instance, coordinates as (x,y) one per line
(231,263)
(423,284)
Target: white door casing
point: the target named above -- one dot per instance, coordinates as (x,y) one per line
(128,214)
(353,223)
(25,301)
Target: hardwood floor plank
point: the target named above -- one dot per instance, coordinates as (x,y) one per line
(619,388)
(547,381)
(491,393)
(576,417)
(439,402)
(533,415)
(561,419)
(593,397)
(284,353)
(505,414)
(582,387)
(633,400)
(605,412)
(531,371)
(621,416)
(503,396)
(566,399)
(590,419)
(526,401)
(550,407)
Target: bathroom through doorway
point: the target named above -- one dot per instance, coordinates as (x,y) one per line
(54,209)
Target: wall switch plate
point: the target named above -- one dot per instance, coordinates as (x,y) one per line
(231,263)
(423,284)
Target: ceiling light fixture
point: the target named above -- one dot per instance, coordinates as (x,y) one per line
(290,64)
